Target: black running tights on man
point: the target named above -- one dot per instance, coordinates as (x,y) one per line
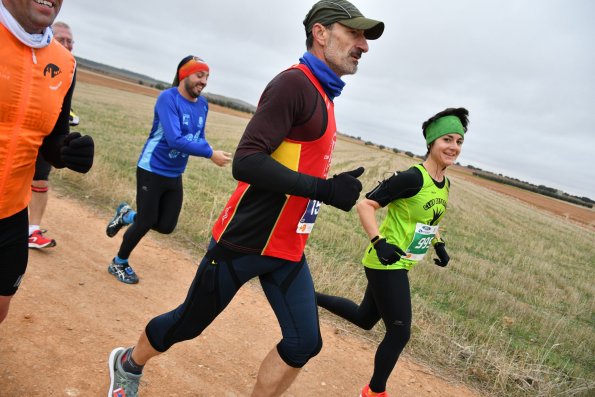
(158,205)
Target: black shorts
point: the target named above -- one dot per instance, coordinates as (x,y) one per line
(14,251)
(42,169)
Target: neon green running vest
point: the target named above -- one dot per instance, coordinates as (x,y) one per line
(411,224)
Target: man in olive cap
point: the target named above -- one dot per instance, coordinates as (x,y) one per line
(281,165)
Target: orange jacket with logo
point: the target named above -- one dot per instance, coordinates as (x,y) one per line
(33,84)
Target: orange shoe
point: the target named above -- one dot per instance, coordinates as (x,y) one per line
(38,240)
(366,392)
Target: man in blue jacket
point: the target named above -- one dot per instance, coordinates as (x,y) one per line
(178,132)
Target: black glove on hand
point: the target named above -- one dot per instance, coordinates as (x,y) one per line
(387,253)
(440,249)
(340,191)
(77,152)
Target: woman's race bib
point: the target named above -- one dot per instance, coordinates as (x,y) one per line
(422,240)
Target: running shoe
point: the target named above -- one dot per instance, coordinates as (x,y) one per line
(366,392)
(117,222)
(122,383)
(123,272)
(38,240)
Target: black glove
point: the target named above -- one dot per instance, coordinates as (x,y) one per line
(440,249)
(77,152)
(387,253)
(340,191)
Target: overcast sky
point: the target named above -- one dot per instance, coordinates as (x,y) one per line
(525,69)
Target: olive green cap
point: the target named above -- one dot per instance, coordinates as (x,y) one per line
(327,12)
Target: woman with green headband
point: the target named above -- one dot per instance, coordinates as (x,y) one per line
(416,201)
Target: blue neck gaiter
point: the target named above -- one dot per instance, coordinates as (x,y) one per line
(331,83)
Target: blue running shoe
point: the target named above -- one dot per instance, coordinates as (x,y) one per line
(117,222)
(123,272)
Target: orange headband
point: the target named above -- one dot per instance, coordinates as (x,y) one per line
(194,65)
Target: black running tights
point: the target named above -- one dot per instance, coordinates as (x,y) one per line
(387,297)
(158,205)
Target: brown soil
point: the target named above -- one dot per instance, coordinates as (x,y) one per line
(70,312)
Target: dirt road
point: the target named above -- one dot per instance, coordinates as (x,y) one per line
(69,313)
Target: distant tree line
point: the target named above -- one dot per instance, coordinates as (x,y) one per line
(541,189)
(212,98)
(158,86)
(144,80)
(382,147)
(230,103)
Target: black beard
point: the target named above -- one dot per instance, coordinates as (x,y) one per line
(190,91)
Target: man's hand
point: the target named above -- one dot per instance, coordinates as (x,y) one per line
(340,191)
(387,253)
(77,152)
(220,157)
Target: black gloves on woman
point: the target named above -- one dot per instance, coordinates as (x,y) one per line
(443,257)
(387,253)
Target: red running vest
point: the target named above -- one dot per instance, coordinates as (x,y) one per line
(287,239)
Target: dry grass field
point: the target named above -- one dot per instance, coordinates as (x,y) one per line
(574,213)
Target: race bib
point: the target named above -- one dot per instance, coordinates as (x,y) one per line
(422,241)
(309,217)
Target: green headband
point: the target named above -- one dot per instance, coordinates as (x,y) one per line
(444,126)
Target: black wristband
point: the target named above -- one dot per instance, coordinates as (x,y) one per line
(375,239)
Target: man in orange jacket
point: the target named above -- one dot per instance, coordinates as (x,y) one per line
(36,76)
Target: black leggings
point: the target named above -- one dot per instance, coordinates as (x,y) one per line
(158,205)
(42,169)
(388,297)
(287,285)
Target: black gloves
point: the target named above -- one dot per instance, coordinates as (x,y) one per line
(387,253)
(340,191)
(77,152)
(440,249)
